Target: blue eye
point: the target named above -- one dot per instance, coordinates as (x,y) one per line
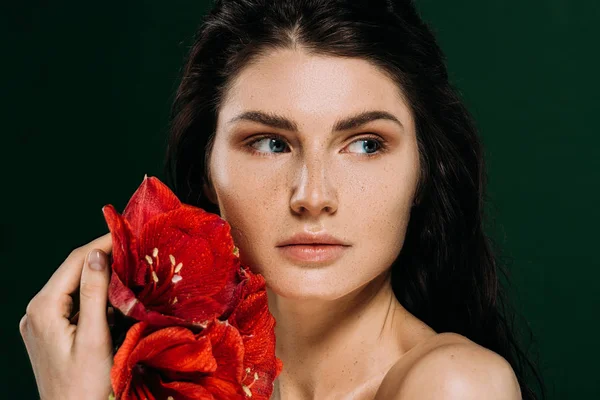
(275,144)
(375,144)
(272,143)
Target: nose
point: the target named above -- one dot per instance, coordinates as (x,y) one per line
(314,192)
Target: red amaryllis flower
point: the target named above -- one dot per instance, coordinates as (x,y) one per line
(256,326)
(174,363)
(173,264)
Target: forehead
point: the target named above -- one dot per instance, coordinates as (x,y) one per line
(312,86)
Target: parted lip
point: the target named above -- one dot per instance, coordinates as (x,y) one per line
(306,237)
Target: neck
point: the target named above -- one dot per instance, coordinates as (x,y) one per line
(341,346)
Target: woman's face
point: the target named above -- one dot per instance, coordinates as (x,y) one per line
(311,177)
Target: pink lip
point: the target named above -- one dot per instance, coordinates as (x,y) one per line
(316,238)
(319,253)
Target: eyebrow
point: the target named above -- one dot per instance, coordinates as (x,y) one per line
(281,122)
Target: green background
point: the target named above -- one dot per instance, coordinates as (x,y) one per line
(86,90)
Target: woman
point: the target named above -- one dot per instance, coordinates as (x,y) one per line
(327,135)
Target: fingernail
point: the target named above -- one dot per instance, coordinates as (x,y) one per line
(96,260)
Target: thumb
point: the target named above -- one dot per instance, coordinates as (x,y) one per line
(92,327)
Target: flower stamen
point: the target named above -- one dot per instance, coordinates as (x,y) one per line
(247,387)
(178,268)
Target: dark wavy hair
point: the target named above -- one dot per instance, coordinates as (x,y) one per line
(447,273)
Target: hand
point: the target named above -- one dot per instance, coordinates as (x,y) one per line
(72,361)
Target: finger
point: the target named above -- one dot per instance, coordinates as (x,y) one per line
(23,326)
(110,317)
(67,278)
(93,323)
(24,331)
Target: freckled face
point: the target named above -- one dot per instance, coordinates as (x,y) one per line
(357,184)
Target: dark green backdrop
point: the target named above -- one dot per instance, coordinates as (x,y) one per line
(86,90)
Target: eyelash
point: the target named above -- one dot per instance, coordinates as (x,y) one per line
(382,144)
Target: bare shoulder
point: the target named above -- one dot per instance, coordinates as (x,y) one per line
(449,366)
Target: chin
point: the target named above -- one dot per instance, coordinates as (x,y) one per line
(309,283)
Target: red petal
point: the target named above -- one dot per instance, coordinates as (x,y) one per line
(161,320)
(256,325)
(151,198)
(255,283)
(124,248)
(253,313)
(197,310)
(225,382)
(176,349)
(223,389)
(215,228)
(227,347)
(139,390)
(186,391)
(120,373)
(233,291)
(123,298)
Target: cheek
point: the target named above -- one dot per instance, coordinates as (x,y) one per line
(243,184)
(380,206)
(379,220)
(246,193)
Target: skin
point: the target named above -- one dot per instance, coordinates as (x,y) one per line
(341,333)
